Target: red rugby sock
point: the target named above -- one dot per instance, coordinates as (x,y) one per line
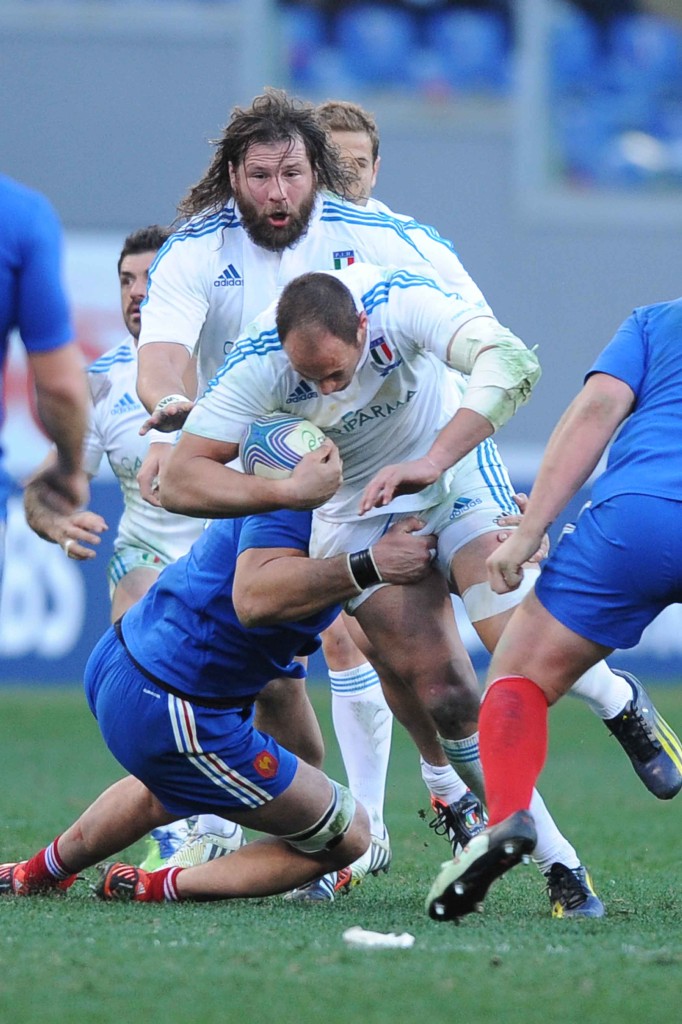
(47,870)
(512,742)
(160,885)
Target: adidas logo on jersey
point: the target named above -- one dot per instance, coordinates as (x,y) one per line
(302,392)
(463,505)
(229,277)
(125,404)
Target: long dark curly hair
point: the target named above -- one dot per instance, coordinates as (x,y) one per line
(272,117)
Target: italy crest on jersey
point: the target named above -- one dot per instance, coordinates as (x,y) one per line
(343,259)
(383,357)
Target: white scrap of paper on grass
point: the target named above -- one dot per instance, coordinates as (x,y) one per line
(377,940)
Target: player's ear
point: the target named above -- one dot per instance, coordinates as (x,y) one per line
(233,174)
(362,327)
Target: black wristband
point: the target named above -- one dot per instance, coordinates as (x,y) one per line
(363,569)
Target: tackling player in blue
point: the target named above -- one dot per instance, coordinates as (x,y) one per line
(173,686)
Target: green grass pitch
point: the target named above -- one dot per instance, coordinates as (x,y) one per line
(267,962)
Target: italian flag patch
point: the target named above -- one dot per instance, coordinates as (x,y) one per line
(343,259)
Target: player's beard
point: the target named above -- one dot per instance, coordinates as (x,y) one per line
(263,233)
(134,326)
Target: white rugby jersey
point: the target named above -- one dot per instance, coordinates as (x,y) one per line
(438,251)
(398,401)
(115,420)
(209,281)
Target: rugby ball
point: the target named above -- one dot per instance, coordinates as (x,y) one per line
(273,445)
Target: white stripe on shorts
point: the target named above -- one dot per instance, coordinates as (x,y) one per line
(187,742)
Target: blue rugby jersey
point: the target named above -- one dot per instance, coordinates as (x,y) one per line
(646,353)
(32,298)
(186,633)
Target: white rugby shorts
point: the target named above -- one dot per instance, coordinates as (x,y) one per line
(480,492)
(128,558)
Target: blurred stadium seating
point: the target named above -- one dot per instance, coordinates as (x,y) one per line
(575,50)
(377,44)
(613,69)
(616,96)
(423,46)
(472,49)
(614,72)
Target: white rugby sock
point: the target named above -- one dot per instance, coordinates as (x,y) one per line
(552,847)
(603,690)
(464,757)
(363,724)
(213,823)
(442,781)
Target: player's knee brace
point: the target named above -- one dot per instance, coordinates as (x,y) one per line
(481,601)
(326,833)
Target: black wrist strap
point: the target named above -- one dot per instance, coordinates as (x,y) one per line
(363,569)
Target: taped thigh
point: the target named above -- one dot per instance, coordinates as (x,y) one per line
(328,832)
(481,601)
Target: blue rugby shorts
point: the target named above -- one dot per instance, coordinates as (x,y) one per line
(616,570)
(194,759)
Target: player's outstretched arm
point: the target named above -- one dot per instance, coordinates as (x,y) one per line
(62,401)
(62,404)
(196,481)
(501,372)
(71,531)
(282,585)
(509,522)
(462,434)
(571,456)
(162,369)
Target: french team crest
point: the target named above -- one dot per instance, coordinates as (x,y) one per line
(343,259)
(383,357)
(266,764)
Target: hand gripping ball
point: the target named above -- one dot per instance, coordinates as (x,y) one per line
(273,445)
